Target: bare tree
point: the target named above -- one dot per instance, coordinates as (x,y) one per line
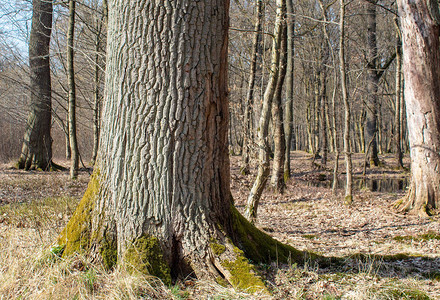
(263,128)
(420,22)
(288,120)
(159,200)
(74,162)
(36,152)
(249,103)
(342,69)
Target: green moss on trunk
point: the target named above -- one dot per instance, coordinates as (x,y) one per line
(260,247)
(145,256)
(109,252)
(76,235)
(243,275)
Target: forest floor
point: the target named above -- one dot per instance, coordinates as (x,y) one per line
(400,253)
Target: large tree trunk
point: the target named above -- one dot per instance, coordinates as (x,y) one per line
(74,161)
(159,201)
(36,151)
(263,130)
(248,116)
(421,60)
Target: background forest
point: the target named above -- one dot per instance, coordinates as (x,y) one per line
(326,130)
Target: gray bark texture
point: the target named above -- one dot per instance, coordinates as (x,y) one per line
(160,200)
(421,58)
(37,145)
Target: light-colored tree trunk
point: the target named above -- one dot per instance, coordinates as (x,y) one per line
(159,201)
(248,137)
(74,161)
(343,72)
(36,151)
(420,22)
(397,112)
(279,139)
(263,128)
(288,120)
(99,70)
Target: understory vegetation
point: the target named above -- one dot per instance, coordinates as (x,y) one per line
(384,256)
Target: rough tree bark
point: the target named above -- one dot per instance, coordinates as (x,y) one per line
(36,151)
(74,160)
(420,21)
(256,51)
(263,130)
(159,200)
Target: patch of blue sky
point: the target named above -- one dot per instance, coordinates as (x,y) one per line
(15,23)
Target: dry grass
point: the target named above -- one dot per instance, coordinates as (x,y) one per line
(34,207)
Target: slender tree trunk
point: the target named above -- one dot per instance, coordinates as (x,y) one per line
(323,104)
(316,114)
(372,83)
(99,66)
(263,129)
(288,120)
(96,102)
(277,179)
(342,69)
(36,151)
(397,120)
(310,139)
(248,116)
(67,139)
(421,60)
(159,201)
(74,162)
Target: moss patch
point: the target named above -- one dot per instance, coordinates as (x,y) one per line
(217,249)
(348,199)
(243,274)
(430,235)
(76,235)
(145,256)
(259,246)
(109,252)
